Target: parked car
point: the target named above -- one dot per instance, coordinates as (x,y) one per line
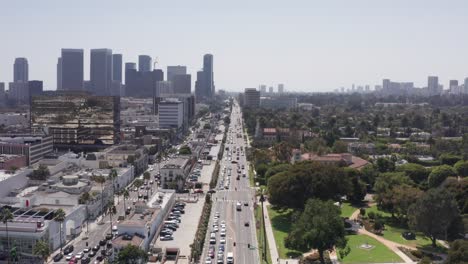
(166,238)
(96,248)
(68,249)
(58,257)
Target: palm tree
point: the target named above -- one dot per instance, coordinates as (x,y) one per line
(110,211)
(101,180)
(125,195)
(42,249)
(5,216)
(60,217)
(112,176)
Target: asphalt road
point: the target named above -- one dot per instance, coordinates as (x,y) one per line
(225,201)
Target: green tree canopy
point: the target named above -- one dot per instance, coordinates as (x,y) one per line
(319,227)
(433,214)
(416,172)
(439,174)
(458,252)
(462,168)
(384,186)
(305,180)
(131,254)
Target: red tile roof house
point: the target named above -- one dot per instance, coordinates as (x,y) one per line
(335,159)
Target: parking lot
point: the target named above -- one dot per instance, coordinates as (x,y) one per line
(184,235)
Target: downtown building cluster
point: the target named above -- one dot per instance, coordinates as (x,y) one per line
(389,87)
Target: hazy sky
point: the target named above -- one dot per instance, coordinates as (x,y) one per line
(308,45)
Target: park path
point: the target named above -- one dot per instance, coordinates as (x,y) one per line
(393,246)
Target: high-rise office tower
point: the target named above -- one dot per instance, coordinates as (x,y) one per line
(35,88)
(280,88)
(175,70)
(59,73)
(182,84)
(433,85)
(144,63)
(130,66)
(117,67)
(263,89)
(251,98)
(101,71)
(270,90)
(209,75)
(199,86)
(142,84)
(21,70)
(72,69)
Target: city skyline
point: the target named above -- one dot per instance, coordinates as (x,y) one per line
(329,45)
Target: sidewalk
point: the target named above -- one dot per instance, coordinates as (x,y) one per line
(272,242)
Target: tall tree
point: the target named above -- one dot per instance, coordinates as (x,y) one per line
(433,214)
(319,226)
(125,197)
(131,254)
(6,216)
(59,216)
(112,176)
(439,174)
(41,248)
(458,252)
(384,186)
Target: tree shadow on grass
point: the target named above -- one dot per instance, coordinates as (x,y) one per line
(282,220)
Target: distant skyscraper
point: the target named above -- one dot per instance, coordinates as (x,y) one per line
(433,85)
(280,88)
(59,73)
(163,88)
(175,70)
(117,67)
(21,70)
(101,71)
(72,69)
(199,86)
(142,84)
(182,84)
(144,63)
(130,66)
(209,75)
(251,98)
(270,90)
(35,88)
(263,89)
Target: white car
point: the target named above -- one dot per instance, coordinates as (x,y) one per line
(79,255)
(208,260)
(223,234)
(215,228)
(222,241)
(69,256)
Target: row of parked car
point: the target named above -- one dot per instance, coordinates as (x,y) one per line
(196,173)
(172,222)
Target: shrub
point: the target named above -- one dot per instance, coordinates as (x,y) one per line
(362,212)
(417,253)
(371,215)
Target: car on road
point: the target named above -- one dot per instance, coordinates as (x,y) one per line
(208,260)
(86,249)
(68,249)
(108,237)
(99,258)
(92,254)
(222,241)
(96,248)
(173,228)
(69,256)
(79,255)
(85,260)
(166,238)
(246,224)
(58,257)
(246,203)
(102,242)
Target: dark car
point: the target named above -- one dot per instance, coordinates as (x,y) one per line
(99,258)
(92,253)
(171,227)
(108,237)
(96,248)
(58,257)
(102,242)
(68,249)
(85,260)
(246,223)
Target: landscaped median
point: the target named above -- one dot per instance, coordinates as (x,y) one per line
(200,235)
(262,241)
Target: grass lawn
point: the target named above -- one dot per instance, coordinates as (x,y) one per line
(260,236)
(393,231)
(281,228)
(378,254)
(348,209)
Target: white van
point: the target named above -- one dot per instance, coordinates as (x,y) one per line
(230,258)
